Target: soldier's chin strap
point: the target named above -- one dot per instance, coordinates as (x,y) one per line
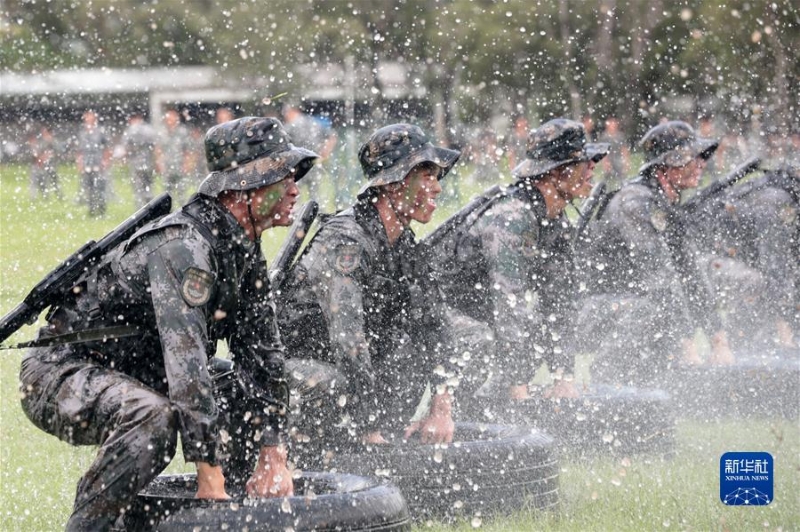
(256,238)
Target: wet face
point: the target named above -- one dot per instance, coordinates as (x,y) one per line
(272,205)
(687,176)
(576,180)
(415,199)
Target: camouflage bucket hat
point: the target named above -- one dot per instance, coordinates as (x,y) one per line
(674,144)
(556,143)
(393,151)
(249,153)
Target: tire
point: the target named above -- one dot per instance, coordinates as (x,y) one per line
(488,469)
(754,386)
(604,419)
(323,502)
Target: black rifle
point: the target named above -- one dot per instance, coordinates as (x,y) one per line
(288,251)
(588,207)
(695,204)
(457,220)
(52,288)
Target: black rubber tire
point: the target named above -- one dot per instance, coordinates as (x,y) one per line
(766,386)
(322,502)
(488,469)
(604,419)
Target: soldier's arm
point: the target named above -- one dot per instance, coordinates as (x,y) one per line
(181,282)
(508,239)
(259,355)
(337,269)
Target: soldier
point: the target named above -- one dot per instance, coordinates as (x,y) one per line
(44,178)
(171,292)
(360,321)
(518,243)
(140,144)
(754,228)
(643,282)
(174,155)
(93,159)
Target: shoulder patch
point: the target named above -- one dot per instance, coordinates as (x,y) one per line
(659,220)
(348,258)
(196,286)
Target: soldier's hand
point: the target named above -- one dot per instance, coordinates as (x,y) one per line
(721,354)
(519,392)
(690,355)
(785,333)
(272,477)
(562,389)
(437,426)
(210,482)
(374,438)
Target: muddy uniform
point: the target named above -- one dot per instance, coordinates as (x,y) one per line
(175,145)
(184,282)
(361,327)
(500,273)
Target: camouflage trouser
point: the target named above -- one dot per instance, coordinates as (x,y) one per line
(94,191)
(322,405)
(83,403)
(142,180)
(473,349)
(632,338)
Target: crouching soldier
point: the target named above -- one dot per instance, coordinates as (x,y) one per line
(359,318)
(646,292)
(175,288)
(507,272)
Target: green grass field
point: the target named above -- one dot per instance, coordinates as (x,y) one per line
(38,473)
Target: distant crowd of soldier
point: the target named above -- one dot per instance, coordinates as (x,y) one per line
(338,355)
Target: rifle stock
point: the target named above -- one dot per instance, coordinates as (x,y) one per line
(694,204)
(50,289)
(457,219)
(588,207)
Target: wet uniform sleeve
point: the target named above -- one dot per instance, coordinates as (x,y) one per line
(181,321)
(258,352)
(508,239)
(642,226)
(337,274)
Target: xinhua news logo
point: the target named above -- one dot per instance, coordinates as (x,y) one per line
(746,479)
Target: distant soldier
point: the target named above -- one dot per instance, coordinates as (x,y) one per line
(507,271)
(646,292)
(312,134)
(43,150)
(617,164)
(140,143)
(169,294)
(93,158)
(174,155)
(361,321)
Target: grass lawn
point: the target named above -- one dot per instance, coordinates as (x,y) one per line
(38,473)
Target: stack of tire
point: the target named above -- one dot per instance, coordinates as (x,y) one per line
(604,419)
(488,469)
(766,385)
(322,502)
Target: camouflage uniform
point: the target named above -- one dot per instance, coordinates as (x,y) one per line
(179,285)
(176,149)
(359,318)
(638,307)
(755,228)
(44,178)
(508,269)
(140,143)
(92,146)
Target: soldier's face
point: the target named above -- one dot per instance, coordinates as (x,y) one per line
(687,176)
(416,199)
(272,205)
(577,180)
